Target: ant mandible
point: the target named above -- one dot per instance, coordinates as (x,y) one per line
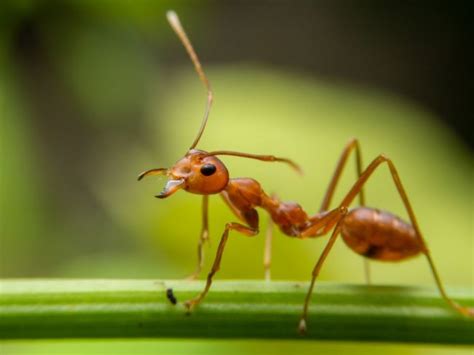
(372,233)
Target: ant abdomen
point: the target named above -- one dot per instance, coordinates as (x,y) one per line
(379,235)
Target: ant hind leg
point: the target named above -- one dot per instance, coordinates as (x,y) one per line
(315,273)
(350,196)
(351,146)
(466,311)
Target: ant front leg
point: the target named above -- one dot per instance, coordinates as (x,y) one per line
(267,254)
(203,237)
(249,231)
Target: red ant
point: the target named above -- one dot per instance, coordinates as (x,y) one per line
(372,233)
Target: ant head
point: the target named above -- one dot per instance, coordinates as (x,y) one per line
(201,173)
(197,172)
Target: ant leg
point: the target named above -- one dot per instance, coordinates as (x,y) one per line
(368,278)
(352,145)
(249,231)
(267,255)
(204,236)
(322,223)
(315,273)
(396,179)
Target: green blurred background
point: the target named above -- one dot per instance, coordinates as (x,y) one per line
(94,92)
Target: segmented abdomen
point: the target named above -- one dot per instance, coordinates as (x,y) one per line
(379,235)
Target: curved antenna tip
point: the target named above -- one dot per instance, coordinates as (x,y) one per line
(172,16)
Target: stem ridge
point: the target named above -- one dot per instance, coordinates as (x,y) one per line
(48,308)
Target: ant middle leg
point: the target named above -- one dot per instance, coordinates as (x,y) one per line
(267,253)
(203,238)
(249,231)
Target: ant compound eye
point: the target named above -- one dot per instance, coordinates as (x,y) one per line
(208,169)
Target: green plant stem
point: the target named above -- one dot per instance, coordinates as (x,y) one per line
(233,309)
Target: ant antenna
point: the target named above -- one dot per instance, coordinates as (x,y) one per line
(173,19)
(270,158)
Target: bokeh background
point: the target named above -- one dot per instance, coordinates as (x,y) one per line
(94,92)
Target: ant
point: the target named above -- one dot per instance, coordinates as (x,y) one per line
(372,233)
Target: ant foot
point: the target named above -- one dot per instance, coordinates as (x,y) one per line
(467,311)
(190,304)
(192,277)
(302,327)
